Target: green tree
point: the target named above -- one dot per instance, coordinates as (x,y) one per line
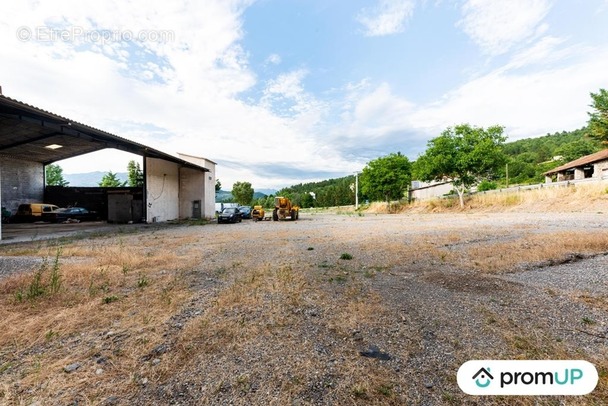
(463,155)
(574,150)
(110,179)
(598,119)
(136,175)
(243,193)
(218,185)
(54,176)
(521,171)
(307,200)
(268,202)
(386,178)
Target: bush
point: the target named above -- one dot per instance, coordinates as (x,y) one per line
(486,185)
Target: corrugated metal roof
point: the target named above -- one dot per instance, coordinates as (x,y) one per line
(588,159)
(26,132)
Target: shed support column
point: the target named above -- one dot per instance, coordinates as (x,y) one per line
(0,193)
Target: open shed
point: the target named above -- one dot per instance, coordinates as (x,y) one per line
(587,167)
(31,138)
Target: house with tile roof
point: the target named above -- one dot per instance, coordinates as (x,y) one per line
(594,166)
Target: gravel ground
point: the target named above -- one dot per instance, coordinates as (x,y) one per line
(392,320)
(439,315)
(589,275)
(11,265)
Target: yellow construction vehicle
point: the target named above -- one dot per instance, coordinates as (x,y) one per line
(284,209)
(257,214)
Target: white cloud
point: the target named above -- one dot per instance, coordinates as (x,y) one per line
(274,59)
(380,112)
(529,104)
(186,87)
(546,51)
(288,85)
(498,26)
(387,17)
(184,94)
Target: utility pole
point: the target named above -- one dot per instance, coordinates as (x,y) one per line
(507,171)
(356,190)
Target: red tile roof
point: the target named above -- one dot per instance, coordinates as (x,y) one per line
(588,159)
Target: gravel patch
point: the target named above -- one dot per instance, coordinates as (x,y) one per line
(581,275)
(11,265)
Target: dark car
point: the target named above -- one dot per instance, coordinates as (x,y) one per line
(245,212)
(74,214)
(230,215)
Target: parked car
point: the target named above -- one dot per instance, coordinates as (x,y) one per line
(75,214)
(230,215)
(28,212)
(245,212)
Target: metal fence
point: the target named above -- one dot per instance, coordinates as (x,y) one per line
(565,183)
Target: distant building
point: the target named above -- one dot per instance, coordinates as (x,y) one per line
(428,190)
(590,166)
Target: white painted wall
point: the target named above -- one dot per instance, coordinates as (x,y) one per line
(191,188)
(430,190)
(208,191)
(162,190)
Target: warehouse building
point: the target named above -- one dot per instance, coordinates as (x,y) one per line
(174,187)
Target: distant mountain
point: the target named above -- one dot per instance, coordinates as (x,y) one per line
(225,196)
(267,192)
(91,178)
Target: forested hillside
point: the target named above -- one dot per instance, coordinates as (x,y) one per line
(332,192)
(528,159)
(531,157)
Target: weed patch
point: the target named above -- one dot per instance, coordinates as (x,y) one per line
(38,286)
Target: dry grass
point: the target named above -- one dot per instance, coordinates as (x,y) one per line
(172,313)
(282,306)
(489,253)
(582,197)
(81,324)
(107,292)
(385,208)
(533,249)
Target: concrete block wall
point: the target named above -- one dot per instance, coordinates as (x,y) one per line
(21,182)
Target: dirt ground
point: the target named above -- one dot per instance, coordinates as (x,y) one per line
(330,309)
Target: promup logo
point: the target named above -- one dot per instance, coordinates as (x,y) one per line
(483,375)
(496,377)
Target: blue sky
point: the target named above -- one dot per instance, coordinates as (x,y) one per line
(280,92)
